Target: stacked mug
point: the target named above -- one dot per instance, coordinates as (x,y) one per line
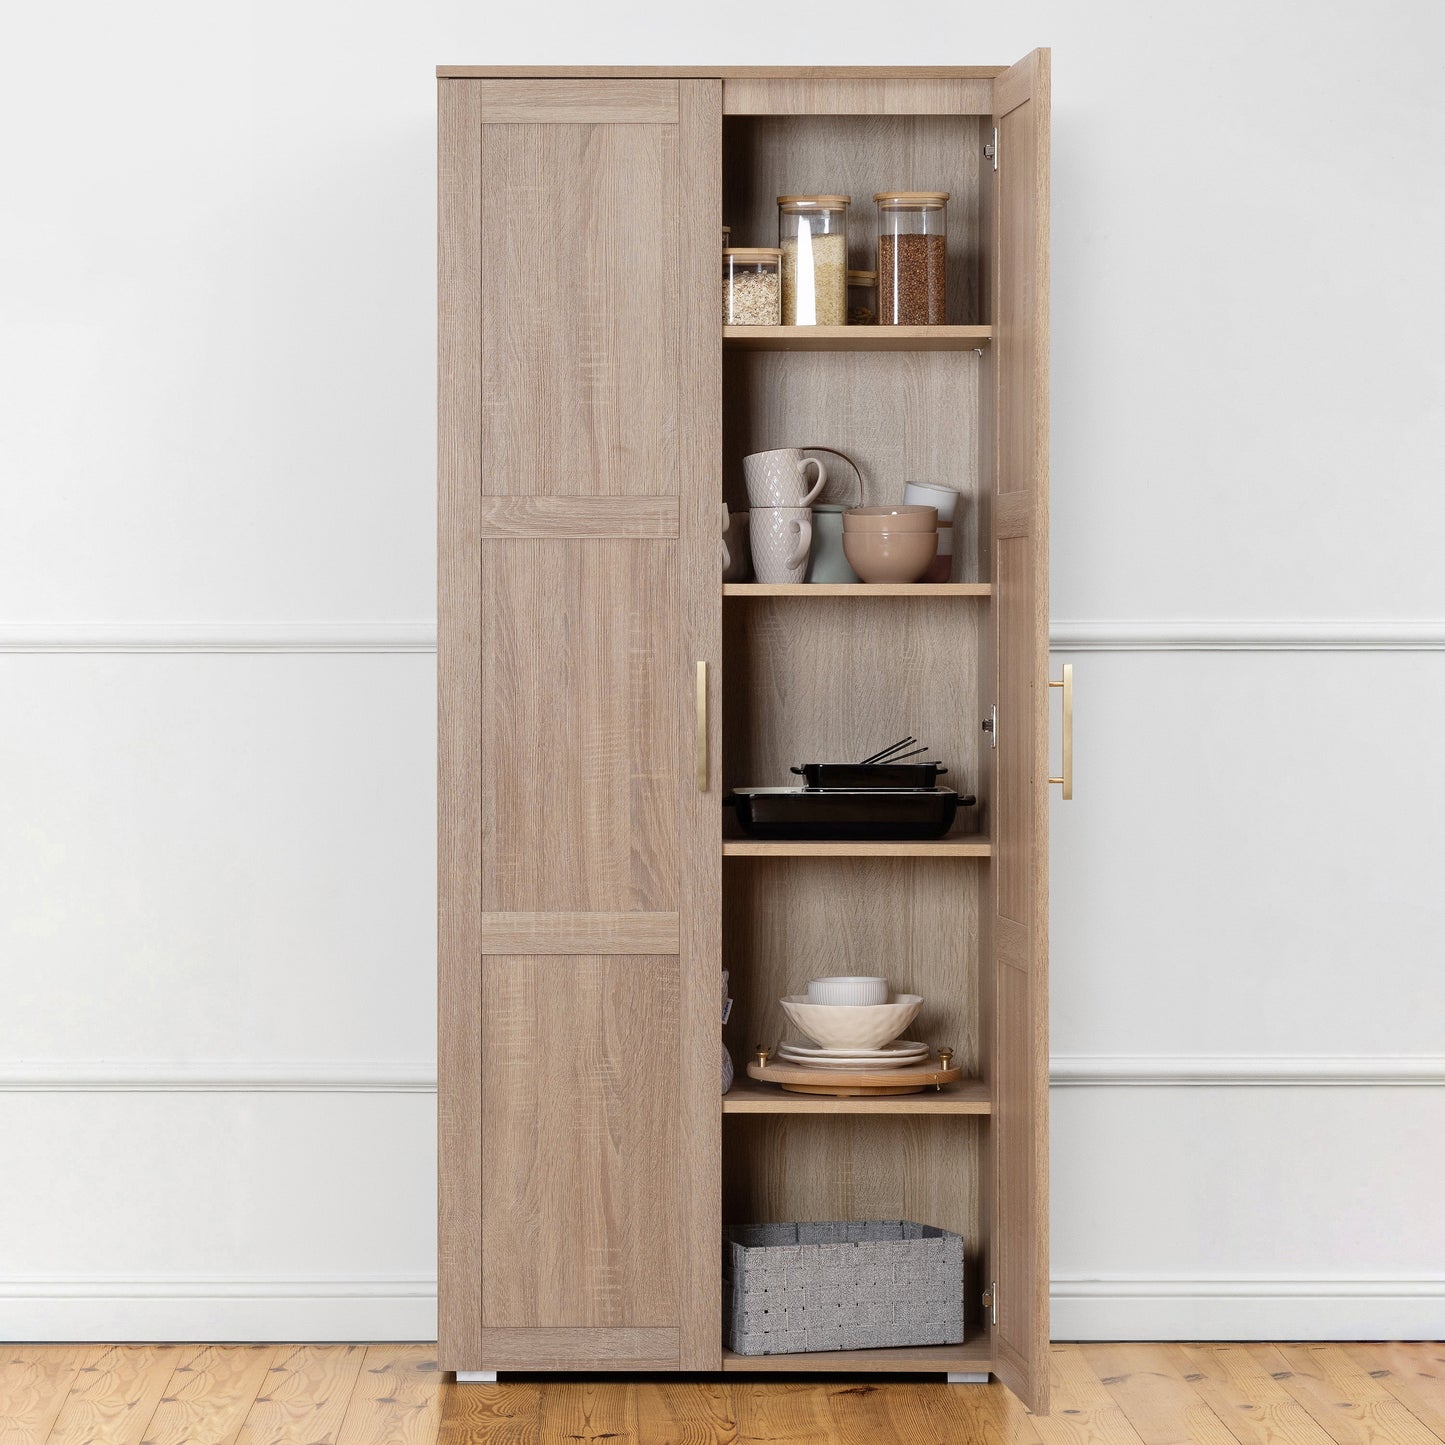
(782,486)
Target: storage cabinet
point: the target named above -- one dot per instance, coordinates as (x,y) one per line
(601,689)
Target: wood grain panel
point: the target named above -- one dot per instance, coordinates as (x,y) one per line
(573,1349)
(577,102)
(1018,999)
(578,517)
(541,933)
(747,95)
(913,919)
(580,717)
(581,371)
(901,416)
(459,783)
(580,1127)
(699,867)
(768,156)
(725,72)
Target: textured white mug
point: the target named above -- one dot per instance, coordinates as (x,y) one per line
(780,478)
(779,538)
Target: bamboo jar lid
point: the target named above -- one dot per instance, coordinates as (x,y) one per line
(753,253)
(928,200)
(814,203)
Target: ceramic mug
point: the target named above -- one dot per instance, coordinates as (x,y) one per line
(779,538)
(947,500)
(827,562)
(780,478)
(735,559)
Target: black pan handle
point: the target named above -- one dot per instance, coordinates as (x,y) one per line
(801,772)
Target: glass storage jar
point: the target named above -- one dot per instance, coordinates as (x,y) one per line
(750,286)
(912,258)
(862,298)
(814,242)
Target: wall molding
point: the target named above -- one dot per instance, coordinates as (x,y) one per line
(160,1076)
(1175,1287)
(1138,635)
(1161,635)
(124,637)
(1092,1071)
(1216,1071)
(217,1286)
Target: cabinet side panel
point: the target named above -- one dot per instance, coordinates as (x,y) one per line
(580,1195)
(459,1224)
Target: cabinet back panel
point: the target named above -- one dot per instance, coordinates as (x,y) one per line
(907,416)
(767,156)
(835,679)
(580,298)
(579,725)
(581,1206)
(783,1167)
(786,920)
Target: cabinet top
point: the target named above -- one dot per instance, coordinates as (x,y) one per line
(719,72)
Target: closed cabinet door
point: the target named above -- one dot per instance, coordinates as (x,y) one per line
(1018,1251)
(579,642)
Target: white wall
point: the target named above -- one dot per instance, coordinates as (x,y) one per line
(216,863)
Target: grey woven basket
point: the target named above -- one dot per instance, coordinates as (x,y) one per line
(840,1285)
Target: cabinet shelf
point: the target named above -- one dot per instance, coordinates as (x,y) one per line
(857,589)
(856,338)
(972,1357)
(968,845)
(970,1096)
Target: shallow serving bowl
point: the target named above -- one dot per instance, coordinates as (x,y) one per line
(851,989)
(902,518)
(890,556)
(853,1026)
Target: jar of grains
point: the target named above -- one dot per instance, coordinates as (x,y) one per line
(862,298)
(750,287)
(912,258)
(815,259)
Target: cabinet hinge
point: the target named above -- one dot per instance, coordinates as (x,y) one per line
(990,1302)
(991,151)
(990,726)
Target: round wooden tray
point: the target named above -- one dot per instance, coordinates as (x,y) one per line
(853,1083)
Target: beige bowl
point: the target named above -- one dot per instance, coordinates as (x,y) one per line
(890,556)
(890,519)
(853,1026)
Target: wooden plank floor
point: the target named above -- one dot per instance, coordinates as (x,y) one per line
(1129,1394)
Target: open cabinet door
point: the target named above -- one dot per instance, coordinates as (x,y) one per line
(1019,1237)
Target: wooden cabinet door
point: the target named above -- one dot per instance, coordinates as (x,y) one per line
(579,465)
(1020,870)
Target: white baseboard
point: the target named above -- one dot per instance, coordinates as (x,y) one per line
(217,1308)
(1226,1071)
(1256,1308)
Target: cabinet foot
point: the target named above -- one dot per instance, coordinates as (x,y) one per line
(962,1379)
(476,1377)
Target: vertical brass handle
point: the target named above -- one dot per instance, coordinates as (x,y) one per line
(702,727)
(1067,684)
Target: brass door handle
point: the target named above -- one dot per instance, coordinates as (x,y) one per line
(702,727)
(1067,684)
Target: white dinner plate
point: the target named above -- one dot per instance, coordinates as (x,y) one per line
(904,1047)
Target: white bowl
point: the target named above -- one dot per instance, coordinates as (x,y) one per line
(853,1026)
(849,989)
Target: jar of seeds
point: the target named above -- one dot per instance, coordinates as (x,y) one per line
(912,258)
(750,286)
(812,235)
(862,298)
